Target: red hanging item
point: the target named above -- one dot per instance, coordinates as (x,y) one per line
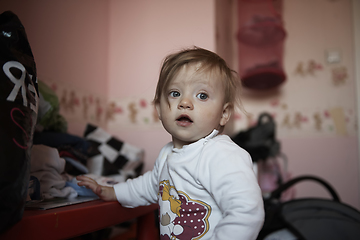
(261,38)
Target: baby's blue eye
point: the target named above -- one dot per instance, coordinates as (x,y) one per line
(202,96)
(174,94)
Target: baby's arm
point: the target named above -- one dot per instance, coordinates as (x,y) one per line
(229,177)
(105,193)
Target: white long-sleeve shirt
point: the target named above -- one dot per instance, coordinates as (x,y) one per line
(205,190)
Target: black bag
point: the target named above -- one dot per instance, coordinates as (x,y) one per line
(260,141)
(18,109)
(309,218)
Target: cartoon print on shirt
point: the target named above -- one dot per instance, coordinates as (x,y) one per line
(180,216)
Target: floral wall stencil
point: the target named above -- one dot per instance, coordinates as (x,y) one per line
(339,75)
(81,107)
(306,68)
(294,121)
(291,120)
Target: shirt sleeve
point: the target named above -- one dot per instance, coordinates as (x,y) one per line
(136,192)
(142,190)
(227,173)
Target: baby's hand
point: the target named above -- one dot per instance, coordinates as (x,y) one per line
(105,193)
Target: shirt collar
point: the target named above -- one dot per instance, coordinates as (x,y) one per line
(213,134)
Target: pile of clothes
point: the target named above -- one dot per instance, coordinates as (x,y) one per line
(57,157)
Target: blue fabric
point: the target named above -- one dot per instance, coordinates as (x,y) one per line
(81,190)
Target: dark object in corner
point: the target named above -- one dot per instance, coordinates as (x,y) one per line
(260,140)
(309,218)
(18,109)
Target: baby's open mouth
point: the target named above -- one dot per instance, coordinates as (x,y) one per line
(184,119)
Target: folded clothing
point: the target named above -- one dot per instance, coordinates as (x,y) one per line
(48,168)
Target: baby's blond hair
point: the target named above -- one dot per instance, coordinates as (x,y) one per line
(210,63)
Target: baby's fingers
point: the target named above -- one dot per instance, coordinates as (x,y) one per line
(85,179)
(87,182)
(88,185)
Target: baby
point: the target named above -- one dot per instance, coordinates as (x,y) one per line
(203,182)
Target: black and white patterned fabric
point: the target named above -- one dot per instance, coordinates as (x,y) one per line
(113,157)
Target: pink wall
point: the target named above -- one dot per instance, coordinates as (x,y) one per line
(69,40)
(334,156)
(317,144)
(333,159)
(142,33)
(113,49)
(326,150)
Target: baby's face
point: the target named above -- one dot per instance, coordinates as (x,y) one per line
(196,105)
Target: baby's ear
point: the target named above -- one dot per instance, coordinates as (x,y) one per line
(157,107)
(226,114)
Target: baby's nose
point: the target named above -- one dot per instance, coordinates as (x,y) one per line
(185,103)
